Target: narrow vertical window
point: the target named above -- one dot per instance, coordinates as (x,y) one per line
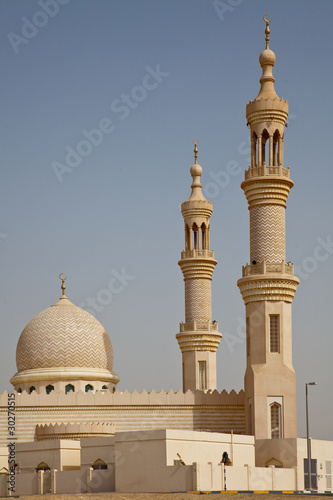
(250,419)
(248,336)
(274,333)
(202,375)
(275,421)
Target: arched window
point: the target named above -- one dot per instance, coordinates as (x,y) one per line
(254,153)
(195,237)
(89,387)
(276,145)
(99,464)
(32,389)
(204,236)
(113,389)
(49,388)
(187,238)
(265,137)
(19,390)
(42,466)
(104,387)
(275,421)
(69,388)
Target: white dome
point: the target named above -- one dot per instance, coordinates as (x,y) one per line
(64,342)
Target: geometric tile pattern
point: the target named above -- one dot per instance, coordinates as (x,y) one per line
(267,233)
(198,300)
(64,335)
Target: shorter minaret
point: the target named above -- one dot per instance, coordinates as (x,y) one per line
(199,337)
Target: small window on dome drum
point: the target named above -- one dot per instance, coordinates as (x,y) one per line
(69,388)
(89,388)
(32,389)
(19,390)
(104,387)
(49,389)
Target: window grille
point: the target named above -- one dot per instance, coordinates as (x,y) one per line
(274,330)
(202,375)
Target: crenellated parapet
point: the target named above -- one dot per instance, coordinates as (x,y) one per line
(65,430)
(122,398)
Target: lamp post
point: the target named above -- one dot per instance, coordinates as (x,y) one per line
(307,431)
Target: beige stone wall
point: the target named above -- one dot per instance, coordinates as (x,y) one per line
(218,412)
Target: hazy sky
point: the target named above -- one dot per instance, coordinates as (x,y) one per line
(151,76)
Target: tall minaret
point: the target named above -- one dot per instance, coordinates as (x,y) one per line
(268,284)
(199,337)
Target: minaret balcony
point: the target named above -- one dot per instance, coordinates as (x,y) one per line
(194,253)
(265,267)
(267,170)
(194,326)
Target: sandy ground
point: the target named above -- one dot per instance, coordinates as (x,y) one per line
(168,496)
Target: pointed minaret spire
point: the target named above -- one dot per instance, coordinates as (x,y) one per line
(196,171)
(267,60)
(198,338)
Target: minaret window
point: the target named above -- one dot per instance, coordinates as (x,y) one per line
(248,336)
(32,389)
(274,333)
(195,237)
(276,148)
(69,388)
(202,375)
(89,387)
(254,150)
(187,238)
(49,389)
(275,421)
(264,139)
(204,237)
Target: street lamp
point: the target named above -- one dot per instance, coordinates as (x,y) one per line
(307,431)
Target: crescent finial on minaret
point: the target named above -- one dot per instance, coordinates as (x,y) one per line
(63,286)
(267,30)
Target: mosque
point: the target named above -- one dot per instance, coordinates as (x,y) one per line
(70,418)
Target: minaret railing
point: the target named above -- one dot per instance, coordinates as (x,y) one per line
(266,170)
(188,254)
(265,267)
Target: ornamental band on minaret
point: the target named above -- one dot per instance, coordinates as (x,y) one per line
(199,337)
(268,284)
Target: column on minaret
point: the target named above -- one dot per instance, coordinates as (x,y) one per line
(268,284)
(198,338)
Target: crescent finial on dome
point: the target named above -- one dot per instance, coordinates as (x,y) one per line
(63,286)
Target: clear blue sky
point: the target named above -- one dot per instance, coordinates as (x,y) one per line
(153,75)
